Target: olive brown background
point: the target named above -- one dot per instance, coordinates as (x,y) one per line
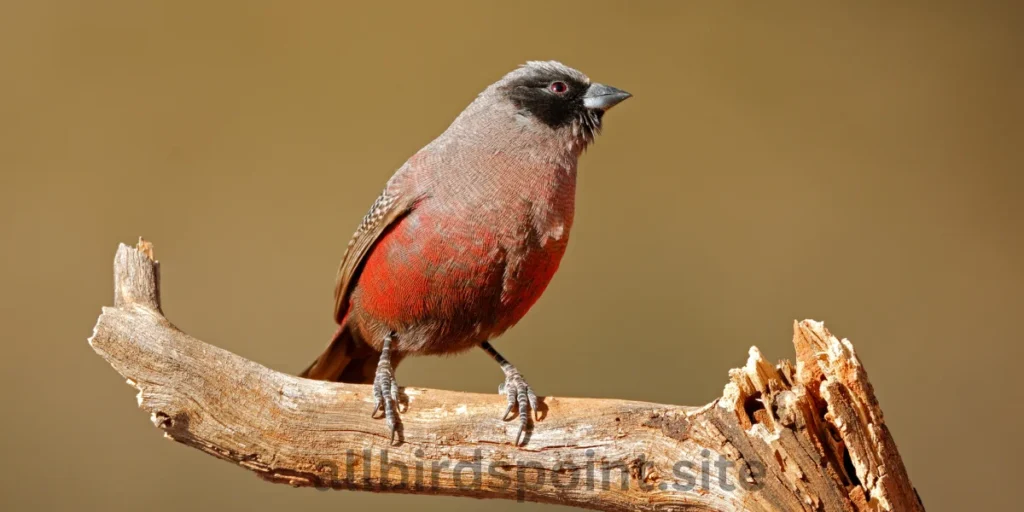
(858,165)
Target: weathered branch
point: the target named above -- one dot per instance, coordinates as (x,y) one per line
(809,437)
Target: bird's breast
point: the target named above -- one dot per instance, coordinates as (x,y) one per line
(468,263)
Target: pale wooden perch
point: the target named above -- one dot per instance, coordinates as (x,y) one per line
(809,437)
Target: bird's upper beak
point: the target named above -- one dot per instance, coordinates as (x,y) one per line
(603,97)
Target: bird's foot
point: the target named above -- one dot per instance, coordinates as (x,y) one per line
(520,397)
(385,395)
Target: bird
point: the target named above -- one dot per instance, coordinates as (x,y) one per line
(466,235)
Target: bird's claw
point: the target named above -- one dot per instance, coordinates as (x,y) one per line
(520,397)
(385,396)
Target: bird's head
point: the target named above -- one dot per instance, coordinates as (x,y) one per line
(560,98)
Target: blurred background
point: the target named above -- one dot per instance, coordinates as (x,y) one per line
(859,165)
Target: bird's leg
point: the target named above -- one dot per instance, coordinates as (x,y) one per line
(515,388)
(385,388)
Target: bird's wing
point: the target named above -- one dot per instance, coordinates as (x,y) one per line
(390,206)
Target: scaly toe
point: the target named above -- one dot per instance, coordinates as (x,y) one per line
(521,399)
(385,397)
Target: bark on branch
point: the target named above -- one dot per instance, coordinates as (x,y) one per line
(804,437)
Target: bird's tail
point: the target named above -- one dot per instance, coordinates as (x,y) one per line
(347,359)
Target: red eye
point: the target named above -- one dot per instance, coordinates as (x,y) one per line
(558,87)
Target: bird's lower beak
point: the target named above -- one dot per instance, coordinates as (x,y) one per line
(603,97)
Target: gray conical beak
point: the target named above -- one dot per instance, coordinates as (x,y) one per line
(603,97)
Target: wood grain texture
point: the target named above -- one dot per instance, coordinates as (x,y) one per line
(804,437)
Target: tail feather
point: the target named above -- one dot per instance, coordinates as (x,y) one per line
(346,359)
